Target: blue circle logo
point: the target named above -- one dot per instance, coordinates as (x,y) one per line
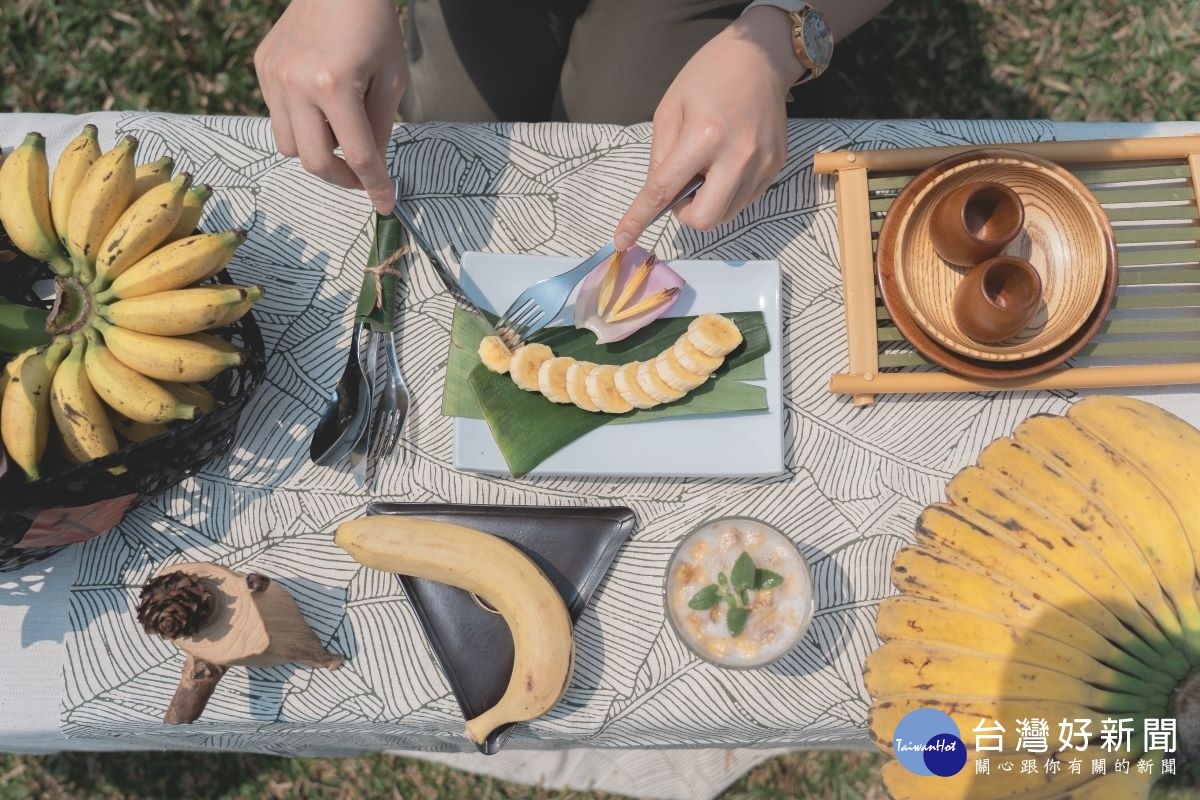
(928,742)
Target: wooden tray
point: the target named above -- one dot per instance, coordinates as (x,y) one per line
(1148,189)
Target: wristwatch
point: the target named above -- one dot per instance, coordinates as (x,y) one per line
(812,40)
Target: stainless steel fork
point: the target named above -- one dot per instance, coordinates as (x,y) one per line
(537,306)
(394,400)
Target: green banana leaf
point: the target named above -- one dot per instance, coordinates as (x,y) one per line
(21,327)
(528,428)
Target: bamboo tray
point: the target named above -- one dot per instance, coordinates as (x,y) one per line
(1148,189)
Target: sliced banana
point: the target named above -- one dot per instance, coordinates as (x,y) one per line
(552,378)
(526,361)
(577,385)
(714,334)
(494,354)
(625,379)
(603,391)
(674,375)
(684,366)
(693,359)
(654,386)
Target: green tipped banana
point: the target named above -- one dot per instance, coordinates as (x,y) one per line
(69,173)
(182,311)
(21,327)
(180,359)
(175,266)
(193,210)
(147,176)
(98,203)
(25,410)
(193,394)
(143,227)
(25,203)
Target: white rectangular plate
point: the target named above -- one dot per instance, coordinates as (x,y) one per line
(713,445)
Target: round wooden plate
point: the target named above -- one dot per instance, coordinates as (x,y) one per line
(1066,237)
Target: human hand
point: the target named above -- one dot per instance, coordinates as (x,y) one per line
(332,73)
(723,117)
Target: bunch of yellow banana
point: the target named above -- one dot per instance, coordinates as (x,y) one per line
(1060,583)
(129,350)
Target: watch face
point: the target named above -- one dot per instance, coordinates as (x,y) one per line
(818,41)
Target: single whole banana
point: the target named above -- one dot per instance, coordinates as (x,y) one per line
(99,202)
(79,414)
(147,176)
(182,311)
(127,391)
(169,358)
(175,266)
(69,172)
(193,210)
(499,573)
(25,410)
(195,395)
(144,226)
(25,203)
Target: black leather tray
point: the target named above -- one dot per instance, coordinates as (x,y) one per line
(573,546)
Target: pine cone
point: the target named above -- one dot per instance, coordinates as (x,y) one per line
(173,605)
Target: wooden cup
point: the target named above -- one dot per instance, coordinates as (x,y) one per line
(997,299)
(975,222)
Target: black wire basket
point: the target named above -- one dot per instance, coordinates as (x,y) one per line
(75,501)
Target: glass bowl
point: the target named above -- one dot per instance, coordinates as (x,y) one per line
(778,615)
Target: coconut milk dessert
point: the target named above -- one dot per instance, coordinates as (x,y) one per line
(738,592)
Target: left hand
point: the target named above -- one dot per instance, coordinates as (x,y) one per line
(723,117)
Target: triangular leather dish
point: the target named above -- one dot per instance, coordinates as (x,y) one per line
(573,546)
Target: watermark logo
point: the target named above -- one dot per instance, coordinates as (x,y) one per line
(928,742)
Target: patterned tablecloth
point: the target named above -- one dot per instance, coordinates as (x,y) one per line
(78,672)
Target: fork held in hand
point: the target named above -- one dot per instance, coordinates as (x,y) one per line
(537,306)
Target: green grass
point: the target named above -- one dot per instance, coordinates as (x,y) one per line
(1058,59)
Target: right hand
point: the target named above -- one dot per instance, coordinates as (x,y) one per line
(332,73)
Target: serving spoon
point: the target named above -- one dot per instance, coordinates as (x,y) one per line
(347,412)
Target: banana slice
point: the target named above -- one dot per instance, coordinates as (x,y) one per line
(714,335)
(552,378)
(653,385)
(625,379)
(526,361)
(695,360)
(494,354)
(577,385)
(674,375)
(603,391)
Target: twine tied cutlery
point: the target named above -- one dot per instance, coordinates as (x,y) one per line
(353,424)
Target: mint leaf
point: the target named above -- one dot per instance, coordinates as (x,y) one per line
(765,579)
(742,574)
(721,579)
(735,620)
(706,598)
